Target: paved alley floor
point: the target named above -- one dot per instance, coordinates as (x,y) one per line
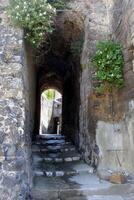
(61,174)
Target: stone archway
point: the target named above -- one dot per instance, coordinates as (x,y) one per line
(51,112)
(58,68)
(21,82)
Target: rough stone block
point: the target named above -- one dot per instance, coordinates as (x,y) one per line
(117,178)
(58,159)
(68,159)
(59,173)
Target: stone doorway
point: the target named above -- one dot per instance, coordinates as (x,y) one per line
(51,112)
(57,68)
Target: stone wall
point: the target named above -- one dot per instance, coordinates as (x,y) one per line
(97,27)
(15,130)
(46,114)
(116,139)
(30,85)
(117,147)
(108,120)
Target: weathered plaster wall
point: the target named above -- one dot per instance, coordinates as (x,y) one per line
(92,105)
(14,112)
(108,120)
(46,114)
(116,139)
(30,89)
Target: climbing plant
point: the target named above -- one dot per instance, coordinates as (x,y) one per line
(34,16)
(108,61)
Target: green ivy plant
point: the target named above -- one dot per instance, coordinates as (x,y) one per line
(34,16)
(108,61)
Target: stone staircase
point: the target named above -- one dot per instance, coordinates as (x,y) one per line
(61,174)
(55,157)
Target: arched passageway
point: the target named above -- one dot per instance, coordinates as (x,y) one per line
(63,76)
(59,69)
(57,154)
(51,112)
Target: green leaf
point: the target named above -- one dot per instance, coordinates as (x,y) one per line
(36,17)
(108,61)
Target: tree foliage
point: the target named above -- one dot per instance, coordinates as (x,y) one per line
(34,16)
(49,94)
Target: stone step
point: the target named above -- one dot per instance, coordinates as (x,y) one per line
(56,157)
(83,185)
(52,142)
(93,197)
(61,169)
(51,148)
(51,136)
(96,197)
